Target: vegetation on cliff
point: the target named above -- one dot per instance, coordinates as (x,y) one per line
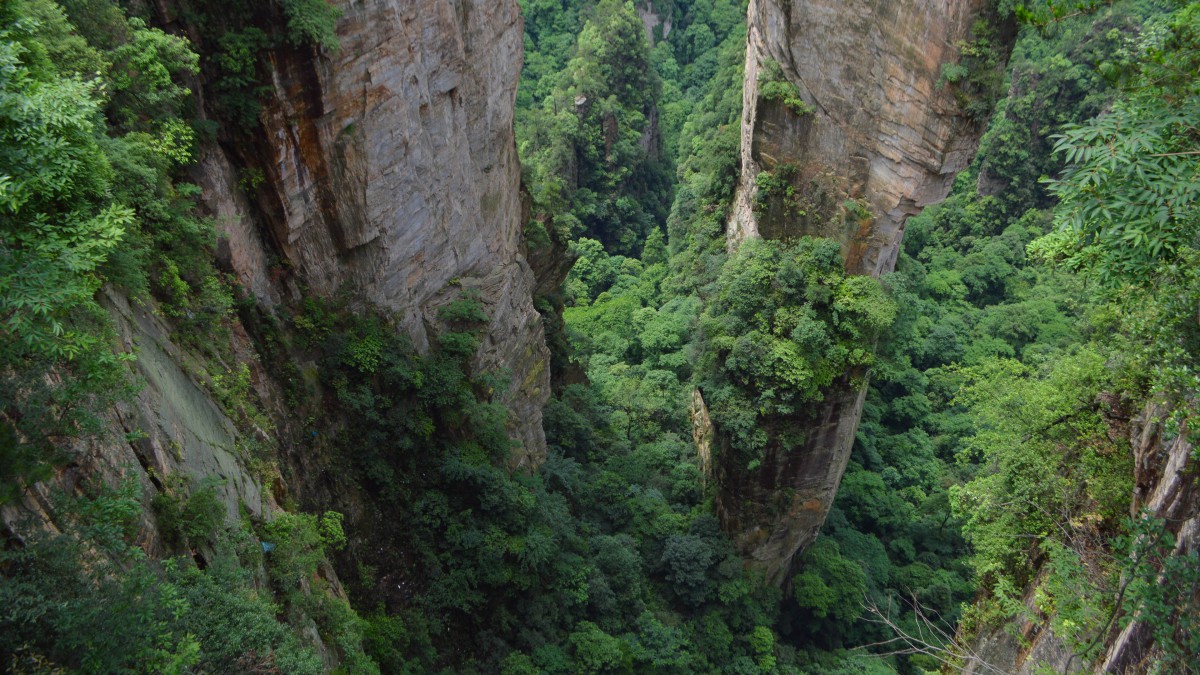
(1030,316)
(97,127)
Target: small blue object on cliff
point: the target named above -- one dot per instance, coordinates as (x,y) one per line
(268,547)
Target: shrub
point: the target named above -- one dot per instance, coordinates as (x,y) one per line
(773,85)
(188,517)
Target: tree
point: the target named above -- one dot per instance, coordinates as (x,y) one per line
(686,559)
(58,226)
(596,651)
(587,146)
(829,587)
(1127,198)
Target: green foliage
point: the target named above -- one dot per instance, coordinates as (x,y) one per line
(300,542)
(189,516)
(1077,606)
(87,600)
(146,95)
(607,559)
(56,225)
(588,145)
(1047,459)
(777,188)
(830,587)
(687,559)
(1043,12)
(774,86)
(85,198)
(967,294)
(311,22)
(234,624)
(594,563)
(237,90)
(1162,582)
(762,641)
(978,76)
(595,651)
(1128,196)
(786,323)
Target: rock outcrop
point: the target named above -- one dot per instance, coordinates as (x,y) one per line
(391,171)
(171,429)
(1026,647)
(875,141)
(1167,487)
(882,129)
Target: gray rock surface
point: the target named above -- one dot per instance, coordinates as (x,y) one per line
(883,134)
(1167,486)
(172,426)
(391,170)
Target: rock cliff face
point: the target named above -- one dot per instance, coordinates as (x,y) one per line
(391,171)
(171,427)
(384,173)
(882,141)
(882,130)
(1025,648)
(1166,487)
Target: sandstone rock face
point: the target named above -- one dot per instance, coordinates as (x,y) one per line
(777,509)
(702,431)
(882,141)
(1167,486)
(391,171)
(882,130)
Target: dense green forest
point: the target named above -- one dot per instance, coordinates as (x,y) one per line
(1030,316)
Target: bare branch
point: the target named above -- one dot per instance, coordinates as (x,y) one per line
(933,639)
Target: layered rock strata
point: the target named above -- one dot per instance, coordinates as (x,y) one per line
(875,140)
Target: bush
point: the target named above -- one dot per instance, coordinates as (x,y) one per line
(299,543)
(189,517)
(774,86)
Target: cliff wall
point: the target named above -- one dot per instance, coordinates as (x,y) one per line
(1166,487)
(882,129)
(881,141)
(173,426)
(382,173)
(391,173)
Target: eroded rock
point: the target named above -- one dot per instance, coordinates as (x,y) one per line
(875,140)
(391,170)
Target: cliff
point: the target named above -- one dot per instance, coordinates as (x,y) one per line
(1167,488)
(384,174)
(874,140)
(391,173)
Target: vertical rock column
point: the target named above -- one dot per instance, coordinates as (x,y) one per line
(391,170)
(881,136)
